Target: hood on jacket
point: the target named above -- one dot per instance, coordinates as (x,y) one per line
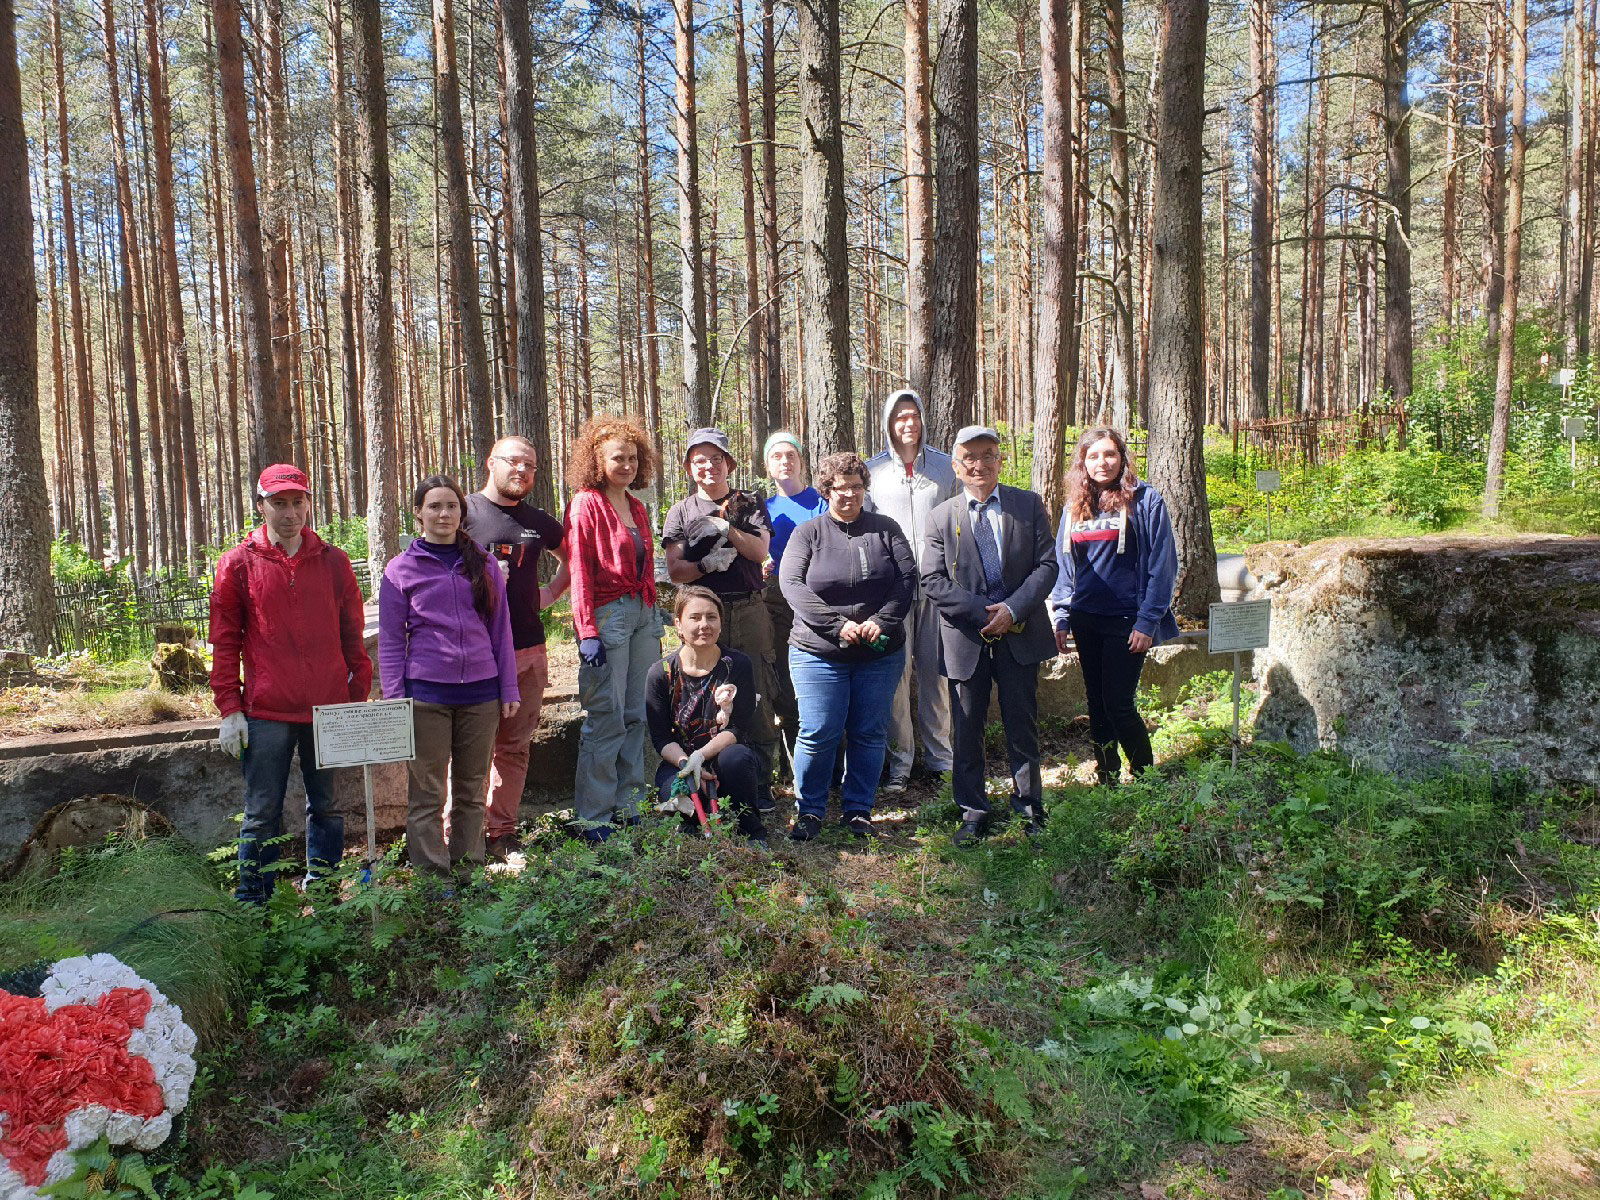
(259,542)
(888,409)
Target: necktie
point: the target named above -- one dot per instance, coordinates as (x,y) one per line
(988,552)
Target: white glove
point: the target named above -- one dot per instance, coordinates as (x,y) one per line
(234,735)
(720,525)
(695,766)
(505,566)
(718,560)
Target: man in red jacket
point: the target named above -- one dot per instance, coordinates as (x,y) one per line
(288,605)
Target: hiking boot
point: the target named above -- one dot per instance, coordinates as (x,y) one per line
(857,825)
(974,828)
(807,828)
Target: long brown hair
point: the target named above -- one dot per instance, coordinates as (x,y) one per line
(1086,498)
(472,558)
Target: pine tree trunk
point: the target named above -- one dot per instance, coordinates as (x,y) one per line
(1500,428)
(377,301)
(824,261)
(1057,255)
(1262,235)
(1450,217)
(652,339)
(1397,228)
(1571,228)
(772,314)
(752,276)
(1124,386)
(272,128)
(954,383)
(88,465)
(463,249)
(167,266)
(1493,172)
(270,432)
(919,232)
(530,409)
(1176,461)
(355,451)
(696,361)
(27,607)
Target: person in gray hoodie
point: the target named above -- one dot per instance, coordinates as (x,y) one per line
(908,480)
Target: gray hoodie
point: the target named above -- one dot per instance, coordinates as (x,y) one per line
(909,499)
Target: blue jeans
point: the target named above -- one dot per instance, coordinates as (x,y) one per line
(612,772)
(266,760)
(838,699)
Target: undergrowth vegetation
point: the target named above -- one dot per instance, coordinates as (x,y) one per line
(1299,978)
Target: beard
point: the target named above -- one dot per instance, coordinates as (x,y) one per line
(514,487)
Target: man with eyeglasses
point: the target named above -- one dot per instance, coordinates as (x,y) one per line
(515,533)
(988,566)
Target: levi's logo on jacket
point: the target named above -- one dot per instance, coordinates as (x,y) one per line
(1108,527)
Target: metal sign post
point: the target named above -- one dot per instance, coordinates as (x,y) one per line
(1572,429)
(363,735)
(1242,625)
(1268,482)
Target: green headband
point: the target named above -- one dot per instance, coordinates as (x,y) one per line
(780,438)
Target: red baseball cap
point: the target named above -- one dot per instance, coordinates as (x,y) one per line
(282,477)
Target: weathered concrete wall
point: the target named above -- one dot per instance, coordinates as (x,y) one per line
(1406,653)
(1166,670)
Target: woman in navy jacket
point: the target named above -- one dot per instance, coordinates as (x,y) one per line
(1114,593)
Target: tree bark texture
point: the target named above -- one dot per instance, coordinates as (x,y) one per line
(270,431)
(1057,255)
(463,248)
(1500,426)
(1397,228)
(26,598)
(824,260)
(530,409)
(1176,461)
(1124,383)
(696,357)
(377,300)
(952,390)
(1261,232)
(919,232)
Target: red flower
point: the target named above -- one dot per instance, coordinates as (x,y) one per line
(54,1063)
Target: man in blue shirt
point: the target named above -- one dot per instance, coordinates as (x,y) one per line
(793,502)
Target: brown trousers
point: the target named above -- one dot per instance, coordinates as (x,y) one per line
(454,746)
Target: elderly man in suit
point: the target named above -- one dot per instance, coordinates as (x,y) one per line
(988,566)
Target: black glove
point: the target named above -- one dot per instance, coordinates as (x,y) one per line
(592,651)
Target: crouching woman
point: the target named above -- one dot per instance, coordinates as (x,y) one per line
(700,705)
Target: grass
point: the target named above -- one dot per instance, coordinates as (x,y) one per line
(1297,979)
(80,693)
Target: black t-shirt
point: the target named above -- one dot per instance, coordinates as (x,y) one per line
(686,523)
(516,533)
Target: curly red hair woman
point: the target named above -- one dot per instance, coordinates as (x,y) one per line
(610,556)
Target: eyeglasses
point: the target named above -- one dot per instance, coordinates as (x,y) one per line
(990,459)
(847,489)
(518,464)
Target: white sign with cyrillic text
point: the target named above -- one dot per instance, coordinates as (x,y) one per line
(1243,625)
(1268,481)
(354,735)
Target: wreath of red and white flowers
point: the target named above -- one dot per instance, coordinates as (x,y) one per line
(99,1051)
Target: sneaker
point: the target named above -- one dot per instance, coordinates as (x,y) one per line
(896,786)
(974,828)
(757,841)
(807,828)
(858,825)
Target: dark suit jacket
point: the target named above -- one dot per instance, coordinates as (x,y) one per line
(952,577)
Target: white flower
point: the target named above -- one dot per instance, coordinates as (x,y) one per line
(156,1130)
(86,1124)
(123,1127)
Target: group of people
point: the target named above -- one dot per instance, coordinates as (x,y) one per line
(836,624)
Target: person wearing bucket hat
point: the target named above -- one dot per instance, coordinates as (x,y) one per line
(793,502)
(286,635)
(718,537)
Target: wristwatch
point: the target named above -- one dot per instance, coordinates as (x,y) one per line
(683,762)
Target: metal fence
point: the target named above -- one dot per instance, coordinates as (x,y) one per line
(117,618)
(1313,439)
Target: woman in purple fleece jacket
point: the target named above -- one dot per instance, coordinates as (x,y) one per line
(444,640)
